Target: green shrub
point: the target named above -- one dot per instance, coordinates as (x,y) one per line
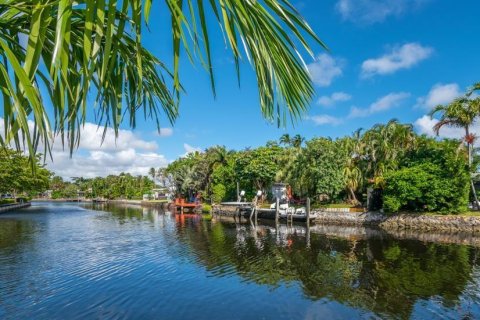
(426,187)
(206,208)
(218,193)
(23,199)
(7,201)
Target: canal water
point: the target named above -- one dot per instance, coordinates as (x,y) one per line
(68,261)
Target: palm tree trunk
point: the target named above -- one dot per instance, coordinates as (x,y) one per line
(354,198)
(469,146)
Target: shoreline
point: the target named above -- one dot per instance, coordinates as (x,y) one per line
(397,222)
(403,221)
(340,217)
(14,206)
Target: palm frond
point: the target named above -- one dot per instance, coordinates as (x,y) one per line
(91,50)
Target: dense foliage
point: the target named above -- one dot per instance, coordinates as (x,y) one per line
(19,175)
(434,178)
(122,186)
(413,172)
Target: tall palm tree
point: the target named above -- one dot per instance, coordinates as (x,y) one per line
(297,141)
(460,113)
(475,87)
(162,176)
(66,53)
(352,171)
(285,139)
(383,146)
(153,173)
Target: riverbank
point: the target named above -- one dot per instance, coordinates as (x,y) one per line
(62,200)
(449,223)
(14,206)
(147,203)
(144,203)
(425,222)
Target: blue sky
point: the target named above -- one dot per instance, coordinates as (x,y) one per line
(388,59)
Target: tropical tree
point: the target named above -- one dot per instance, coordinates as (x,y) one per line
(297,141)
(258,168)
(67,53)
(384,145)
(153,173)
(318,169)
(352,172)
(474,88)
(16,174)
(460,113)
(285,139)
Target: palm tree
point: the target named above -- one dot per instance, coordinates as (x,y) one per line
(153,173)
(475,87)
(87,50)
(352,172)
(460,113)
(285,139)
(297,141)
(383,146)
(162,176)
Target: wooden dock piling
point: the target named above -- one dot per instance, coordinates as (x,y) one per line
(277,211)
(308,222)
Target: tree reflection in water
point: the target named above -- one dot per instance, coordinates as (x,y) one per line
(363,268)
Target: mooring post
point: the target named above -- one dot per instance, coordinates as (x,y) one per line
(277,210)
(238,192)
(308,214)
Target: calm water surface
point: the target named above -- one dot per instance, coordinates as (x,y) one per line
(65,261)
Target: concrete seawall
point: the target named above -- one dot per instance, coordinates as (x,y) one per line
(16,206)
(449,223)
(348,218)
(152,204)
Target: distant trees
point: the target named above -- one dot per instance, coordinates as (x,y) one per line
(295,141)
(18,174)
(122,186)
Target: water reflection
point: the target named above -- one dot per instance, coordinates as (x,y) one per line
(330,271)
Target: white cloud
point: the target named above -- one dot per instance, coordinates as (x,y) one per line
(384,103)
(328,101)
(102,163)
(189,149)
(165,132)
(424,125)
(403,57)
(439,94)
(128,153)
(325,119)
(91,139)
(373,11)
(325,69)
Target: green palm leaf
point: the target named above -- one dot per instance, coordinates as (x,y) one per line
(83,51)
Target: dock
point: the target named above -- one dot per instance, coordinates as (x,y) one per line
(182,206)
(15,206)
